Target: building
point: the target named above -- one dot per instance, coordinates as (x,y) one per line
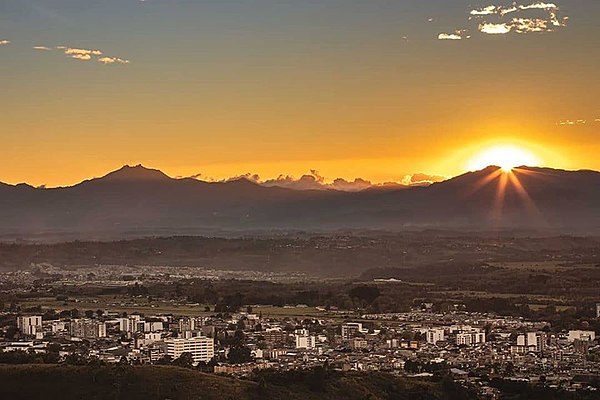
(201,348)
(586,336)
(305,342)
(147,339)
(30,325)
(351,330)
(58,326)
(530,342)
(274,336)
(435,335)
(358,344)
(470,338)
(87,328)
(188,324)
(130,324)
(135,323)
(17,346)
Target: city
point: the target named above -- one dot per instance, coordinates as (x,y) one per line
(484,352)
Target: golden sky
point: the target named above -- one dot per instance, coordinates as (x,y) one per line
(377,89)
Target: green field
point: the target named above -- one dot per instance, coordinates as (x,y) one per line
(142,305)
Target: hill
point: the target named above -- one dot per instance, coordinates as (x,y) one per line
(158,382)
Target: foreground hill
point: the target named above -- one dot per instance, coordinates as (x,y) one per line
(156,382)
(137,200)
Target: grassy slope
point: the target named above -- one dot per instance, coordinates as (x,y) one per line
(156,382)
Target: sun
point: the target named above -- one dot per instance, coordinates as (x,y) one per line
(506,157)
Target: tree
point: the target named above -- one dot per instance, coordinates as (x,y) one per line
(365,293)
(166,360)
(185,360)
(239,354)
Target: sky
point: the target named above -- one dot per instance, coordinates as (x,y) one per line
(376,89)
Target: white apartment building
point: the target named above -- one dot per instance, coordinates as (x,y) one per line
(305,342)
(529,342)
(30,325)
(201,348)
(470,338)
(435,335)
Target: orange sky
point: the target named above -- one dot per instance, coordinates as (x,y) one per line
(279,87)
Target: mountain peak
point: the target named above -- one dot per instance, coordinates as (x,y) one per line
(135,173)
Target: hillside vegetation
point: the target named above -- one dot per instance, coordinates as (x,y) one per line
(159,382)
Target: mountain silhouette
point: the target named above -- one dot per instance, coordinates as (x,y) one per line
(147,201)
(136,173)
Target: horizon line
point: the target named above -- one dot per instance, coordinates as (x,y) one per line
(291,180)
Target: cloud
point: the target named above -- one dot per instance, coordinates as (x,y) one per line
(112,60)
(421,179)
(488,10)
(88,54)
(449,36)
(590,120)
(83,54)
(351,186)
(83,57)
(315,181)
(522,22)
(494,29)
(573,122)
(4,42)
(517,18)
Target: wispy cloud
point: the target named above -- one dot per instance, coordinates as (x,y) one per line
(577,122)
(112,60)
(83,54)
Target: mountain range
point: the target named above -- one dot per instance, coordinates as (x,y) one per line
(147,201)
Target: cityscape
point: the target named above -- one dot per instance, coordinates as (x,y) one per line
(116,315)
(299,200)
